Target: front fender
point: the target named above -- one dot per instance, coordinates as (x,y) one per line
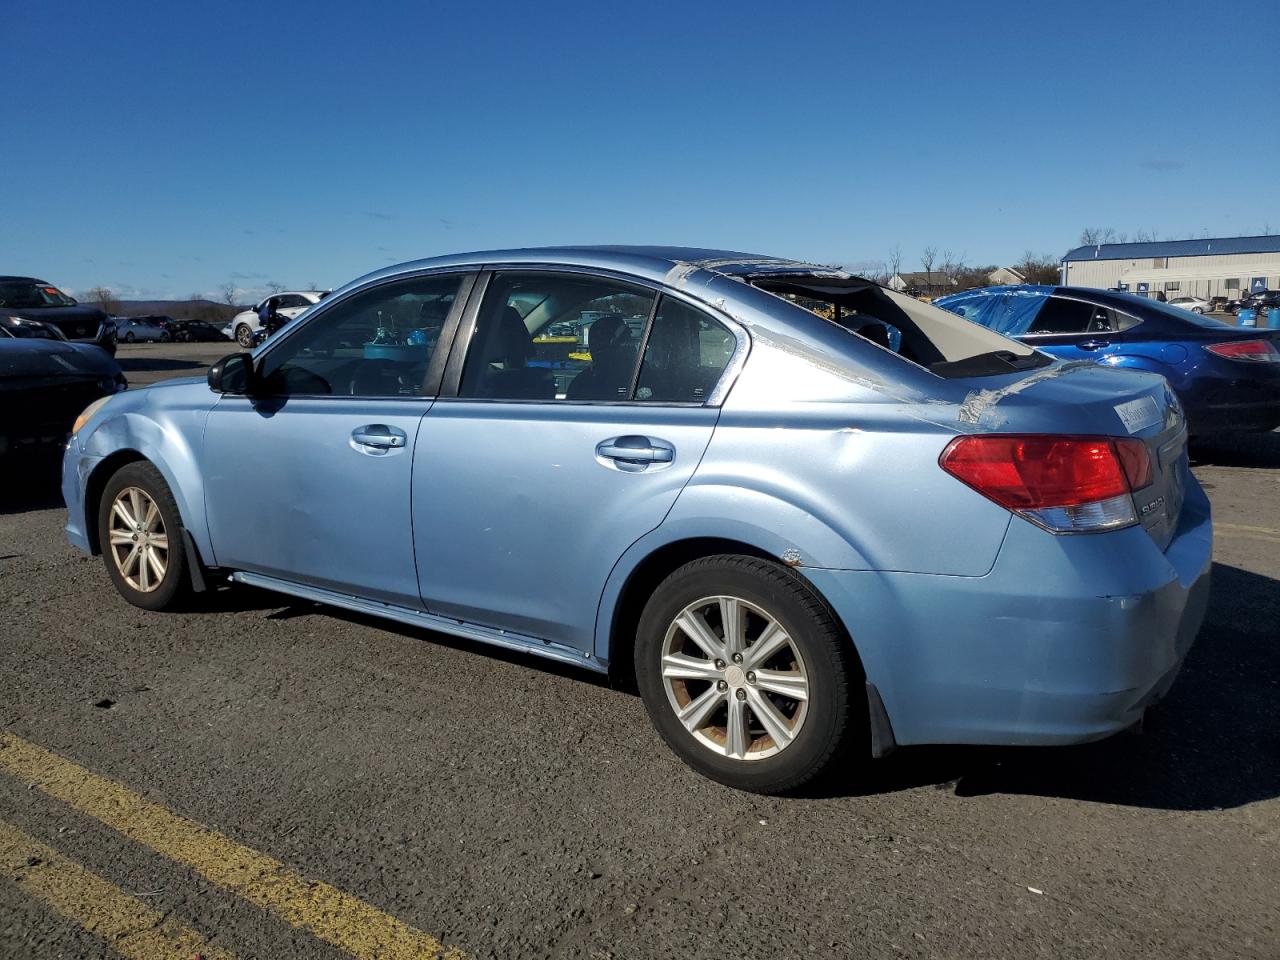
(164,438)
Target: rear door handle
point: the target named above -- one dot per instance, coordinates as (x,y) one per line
(632,454)
(379,436)
(1094,344)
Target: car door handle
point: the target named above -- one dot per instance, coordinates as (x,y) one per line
(1094,344)
(632,454)
(379,436)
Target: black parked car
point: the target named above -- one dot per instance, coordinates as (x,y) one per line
(45,383)
(1259,298)
(196,331)
(34,299)
(21,329)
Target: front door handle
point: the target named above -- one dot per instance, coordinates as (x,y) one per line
(1094,344)
(632,454)
(378,436)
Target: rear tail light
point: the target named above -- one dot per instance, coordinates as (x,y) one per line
(1062,483)
(1257,351)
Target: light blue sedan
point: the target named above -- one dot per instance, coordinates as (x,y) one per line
(803,545)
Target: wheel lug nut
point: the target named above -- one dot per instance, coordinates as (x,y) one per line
(737,658)
(741,694)
(751,676)
(719,664)
(722,686)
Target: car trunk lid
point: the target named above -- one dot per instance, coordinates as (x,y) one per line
(1087,399)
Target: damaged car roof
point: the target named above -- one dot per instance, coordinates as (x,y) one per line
(661,263)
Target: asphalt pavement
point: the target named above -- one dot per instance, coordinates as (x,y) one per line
(262,777)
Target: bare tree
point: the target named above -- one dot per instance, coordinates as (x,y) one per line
(230,293)
(952,266)
(1093,236)
(104,298)
(927,259)
(275,287)
(894,266)
(1038,268)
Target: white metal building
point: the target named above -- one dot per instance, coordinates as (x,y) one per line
(1226,266)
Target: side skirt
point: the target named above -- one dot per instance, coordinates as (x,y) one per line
(427,621)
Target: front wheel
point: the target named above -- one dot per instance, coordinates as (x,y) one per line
(244,336)
(1199,310)
(140,532)
(746,675)
(165,337)
(128,337)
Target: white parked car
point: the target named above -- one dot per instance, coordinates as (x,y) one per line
(1194,304)
(288,304)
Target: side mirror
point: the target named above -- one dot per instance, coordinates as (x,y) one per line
(232,374)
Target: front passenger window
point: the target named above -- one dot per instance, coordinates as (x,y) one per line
(377,343)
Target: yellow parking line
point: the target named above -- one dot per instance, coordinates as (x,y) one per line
(1247,528)
(129,927)
(332,915)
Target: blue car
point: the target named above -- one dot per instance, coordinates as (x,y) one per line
(805,546)
(1227,378)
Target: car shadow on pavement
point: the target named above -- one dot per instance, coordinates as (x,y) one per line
(1213,743)
(1237,450)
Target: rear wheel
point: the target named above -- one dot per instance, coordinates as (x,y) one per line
(746,675)
(140,532)
(244,336)
(128,337)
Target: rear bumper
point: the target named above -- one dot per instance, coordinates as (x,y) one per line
(1067,639)
(1235,400)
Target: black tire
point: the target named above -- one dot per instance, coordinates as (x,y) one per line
(175,585)
(128,337)
(836,716)
(165,337)
(244,336)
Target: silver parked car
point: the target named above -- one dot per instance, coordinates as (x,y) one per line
(140,329)
(1194,304)
(806,539)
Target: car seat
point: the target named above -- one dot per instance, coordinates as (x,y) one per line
(500,370)
(613,362)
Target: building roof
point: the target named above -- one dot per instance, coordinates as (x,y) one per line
(1174,248)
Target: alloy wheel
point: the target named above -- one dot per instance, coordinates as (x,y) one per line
(139,544)
(735,678)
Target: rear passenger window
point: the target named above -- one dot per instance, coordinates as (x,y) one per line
(1059,315)
(547,336)
(686,354)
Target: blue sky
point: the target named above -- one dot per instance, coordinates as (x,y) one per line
(170,148)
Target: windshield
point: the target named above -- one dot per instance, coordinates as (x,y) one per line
(27,294)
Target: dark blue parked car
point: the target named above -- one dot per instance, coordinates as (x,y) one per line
(1228,378)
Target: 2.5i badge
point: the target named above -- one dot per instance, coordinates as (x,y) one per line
(1139,414)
